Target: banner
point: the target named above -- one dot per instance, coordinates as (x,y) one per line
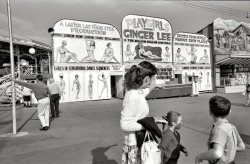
(81,84)
(86,42)
(231,38)
(191,49)
(146,38)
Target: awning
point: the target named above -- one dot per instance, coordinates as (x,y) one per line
(233,61)
(21,40)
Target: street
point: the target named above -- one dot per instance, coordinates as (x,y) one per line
(89,132)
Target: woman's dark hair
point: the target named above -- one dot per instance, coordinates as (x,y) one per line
(133,79)
(171,117)
(76,76)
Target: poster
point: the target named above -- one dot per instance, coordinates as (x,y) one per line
(191,49)
(76,83)
(91,85)
(104,85)
(62,79)
(146,38)
(86,42)
(208,80)
(231,38)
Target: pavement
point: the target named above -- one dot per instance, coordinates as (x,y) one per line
(89,132)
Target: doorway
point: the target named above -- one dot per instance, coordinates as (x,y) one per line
(116,86)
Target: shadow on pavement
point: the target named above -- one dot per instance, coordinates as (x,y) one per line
(20,128)
(100,157)
(245,138)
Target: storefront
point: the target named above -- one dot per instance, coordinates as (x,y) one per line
(87,60)
(231,53)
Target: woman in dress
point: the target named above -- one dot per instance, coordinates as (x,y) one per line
(78,86)
(143,53)
(138,82)
(179,58)
(90,87)
(65,54)
(105,84)
(90,47)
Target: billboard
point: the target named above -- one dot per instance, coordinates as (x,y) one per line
(231,38)
(191,49)
(146,38)
(81,83)
(86,42)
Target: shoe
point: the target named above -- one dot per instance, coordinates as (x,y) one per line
(47,127)
(52,117)
(43,128)
(245,105)
(57,116)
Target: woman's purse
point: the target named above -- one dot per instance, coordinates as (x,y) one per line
(150,153)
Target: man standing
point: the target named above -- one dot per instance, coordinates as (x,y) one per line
(54,99)
(42,94)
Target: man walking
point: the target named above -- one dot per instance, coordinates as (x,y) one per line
(54,98)
(42,94)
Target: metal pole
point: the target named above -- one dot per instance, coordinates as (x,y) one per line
(12,69)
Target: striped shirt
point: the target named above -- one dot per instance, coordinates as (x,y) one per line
(135,107)
(226,135)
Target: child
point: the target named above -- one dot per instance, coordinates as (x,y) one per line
(170,144)
(224,139)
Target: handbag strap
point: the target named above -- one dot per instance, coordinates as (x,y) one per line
(148,134)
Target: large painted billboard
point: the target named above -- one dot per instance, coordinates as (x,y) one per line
(81,83)
(231,38)
(146,38)
(191,49)
(85,54)
(81,42)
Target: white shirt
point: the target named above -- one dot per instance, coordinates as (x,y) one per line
(135,107)
(26,91)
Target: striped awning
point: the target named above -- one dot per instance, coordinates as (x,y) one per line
(233,61)
(21,40)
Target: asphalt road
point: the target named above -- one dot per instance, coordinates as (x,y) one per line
(89,132)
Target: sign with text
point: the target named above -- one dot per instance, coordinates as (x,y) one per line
(86,42)
(191,49)
(146,38)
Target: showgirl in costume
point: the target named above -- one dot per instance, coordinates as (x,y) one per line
(90,47)
(78,86)
(65,54)
(105,84)
(143,53)
(61,85)
(179,58)
(128,53)
(109,54)
(193,55)
(90,87)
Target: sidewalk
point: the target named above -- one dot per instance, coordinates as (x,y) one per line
(89,132)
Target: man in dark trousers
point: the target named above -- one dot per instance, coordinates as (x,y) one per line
(42,94)
(54,99)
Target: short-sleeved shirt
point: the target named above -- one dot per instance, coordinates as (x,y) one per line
(26,91)
(226,135)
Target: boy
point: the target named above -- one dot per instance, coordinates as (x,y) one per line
(224,139)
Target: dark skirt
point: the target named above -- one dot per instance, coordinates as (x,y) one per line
(26,98)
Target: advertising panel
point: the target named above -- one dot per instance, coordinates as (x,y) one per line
(191,49)
(231,38)
(86,42)
(146,38)
(80,84)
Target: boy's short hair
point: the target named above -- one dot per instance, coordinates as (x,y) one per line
(39,77)
(219,106)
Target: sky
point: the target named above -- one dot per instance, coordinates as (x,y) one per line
(32,18)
